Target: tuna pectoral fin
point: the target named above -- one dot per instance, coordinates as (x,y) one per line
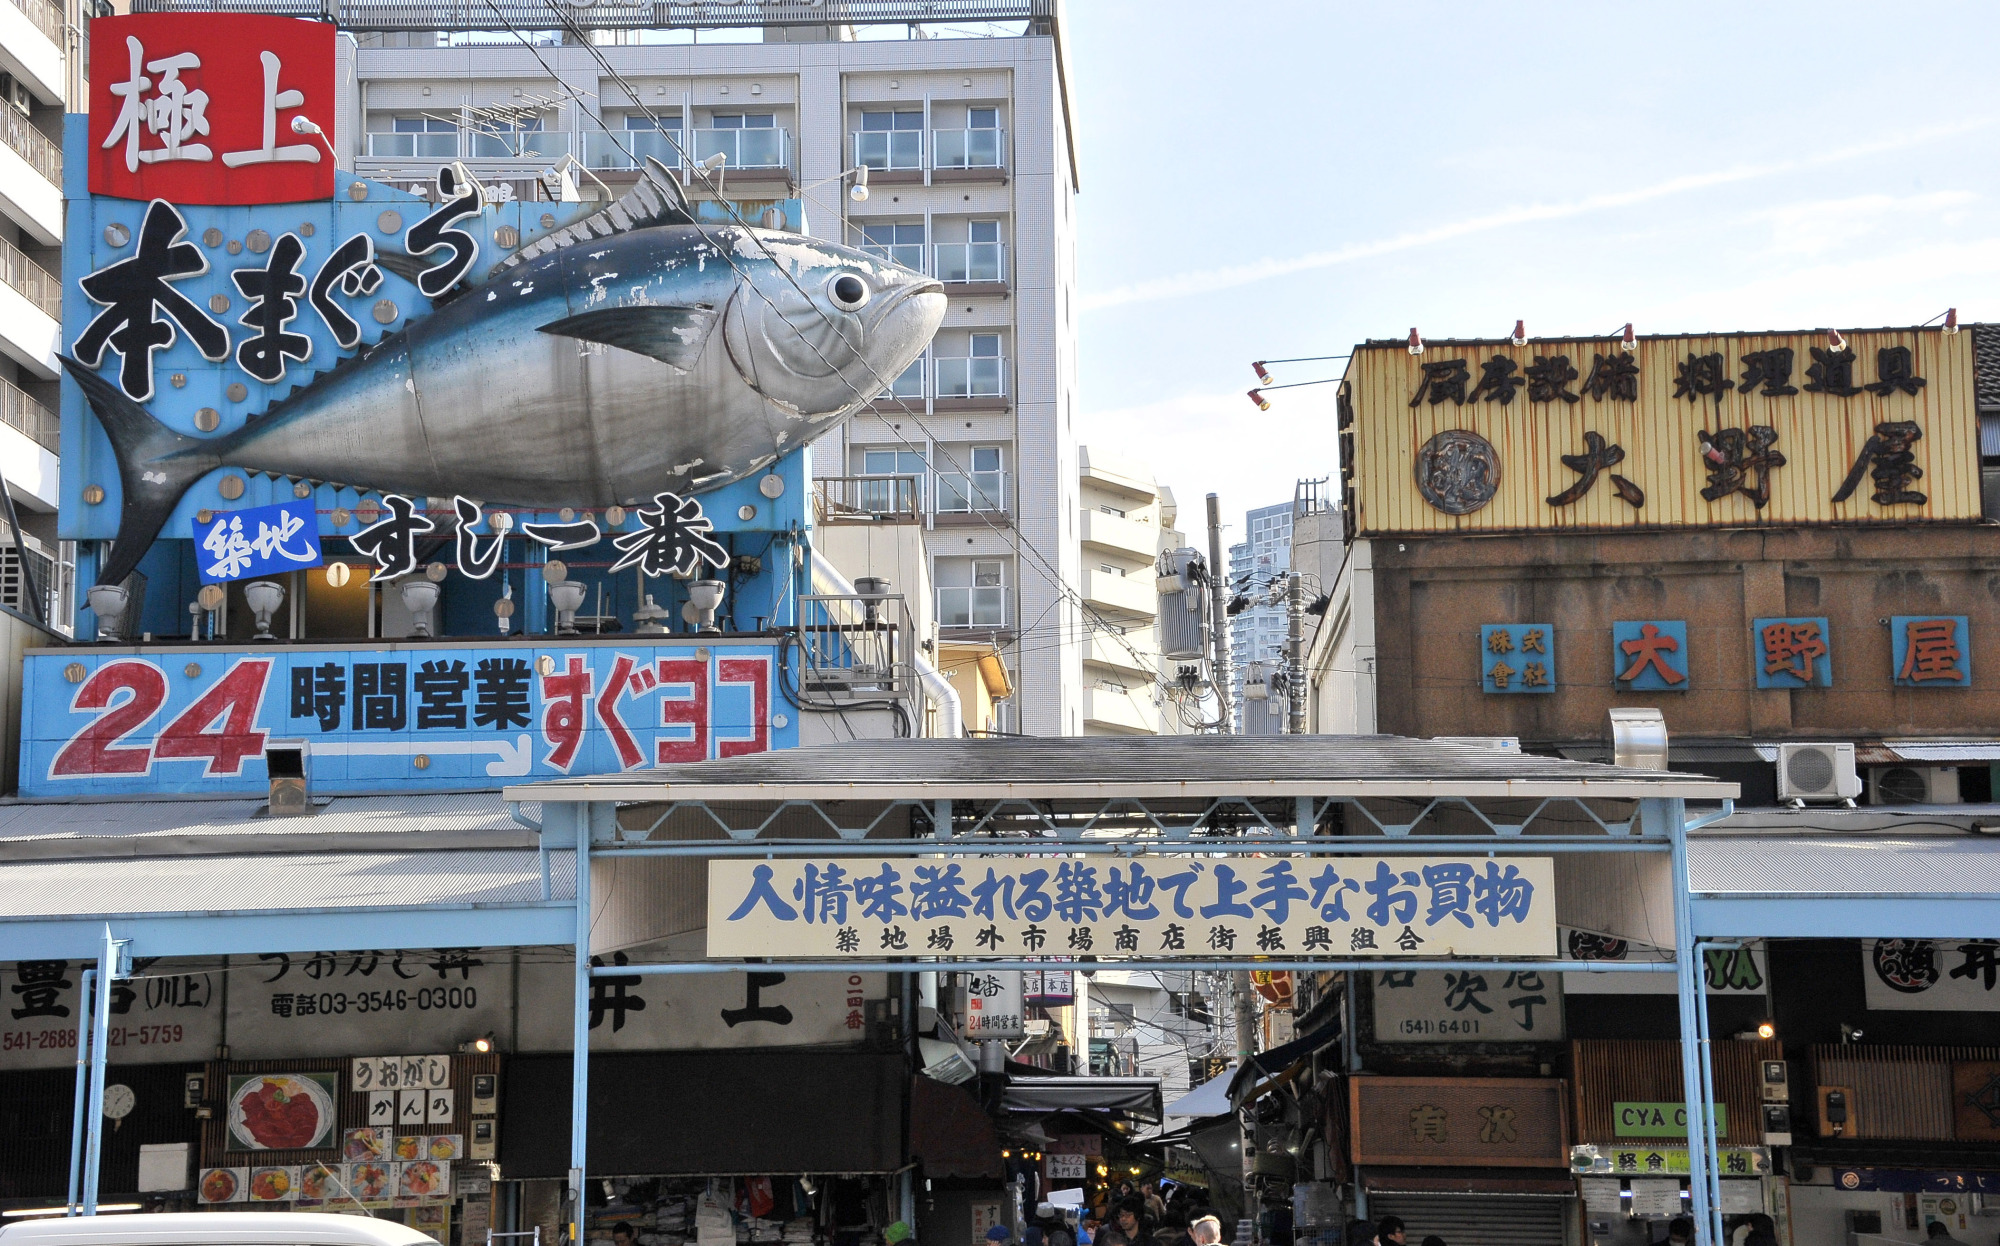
(669,334)
(156,465)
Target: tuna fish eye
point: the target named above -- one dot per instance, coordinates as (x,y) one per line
(848,292)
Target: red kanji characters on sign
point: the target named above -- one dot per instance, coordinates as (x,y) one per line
(1930,652)
(1648,649)
(200,108)
(1792,648)
(563,712)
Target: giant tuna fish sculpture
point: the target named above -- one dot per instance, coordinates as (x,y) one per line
(630,354)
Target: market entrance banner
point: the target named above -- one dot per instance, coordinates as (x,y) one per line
(1140,907)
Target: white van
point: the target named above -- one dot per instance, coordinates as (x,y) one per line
(210,1228)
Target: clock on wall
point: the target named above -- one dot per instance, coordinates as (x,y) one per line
(119,1102)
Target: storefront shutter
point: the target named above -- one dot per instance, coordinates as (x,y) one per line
(1473,1220)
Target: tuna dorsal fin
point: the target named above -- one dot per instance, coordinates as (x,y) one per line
(669,334)
(656,199)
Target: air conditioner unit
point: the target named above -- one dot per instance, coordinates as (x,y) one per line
(1913,785)
(1817,772)
(17,94)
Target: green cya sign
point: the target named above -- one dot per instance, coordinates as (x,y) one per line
(1660,1120)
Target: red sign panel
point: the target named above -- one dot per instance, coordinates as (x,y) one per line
(211,108)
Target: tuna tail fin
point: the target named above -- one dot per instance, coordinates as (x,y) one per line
(156,466)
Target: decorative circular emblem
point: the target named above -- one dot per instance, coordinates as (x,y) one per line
(300,489)
(259,240)
(236,391)
(390,222)
(231,487)
(357,191)
(218,303)
(208,419)
(74,672)
(1906,965)
(117,235)
(385,311)
(1850,1180)
(93,494)
(1458,471)
(211,237)
(507,237)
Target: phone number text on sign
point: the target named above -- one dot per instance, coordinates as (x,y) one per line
(1146,906)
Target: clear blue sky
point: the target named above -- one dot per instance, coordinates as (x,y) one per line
(1264,179)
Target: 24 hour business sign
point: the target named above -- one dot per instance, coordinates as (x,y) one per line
(382,718)
(1137,906)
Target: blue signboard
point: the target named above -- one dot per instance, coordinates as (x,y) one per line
(1792,653)
(264,540)
(1932,650)
(389,717)
(1650,655)
(1517,658)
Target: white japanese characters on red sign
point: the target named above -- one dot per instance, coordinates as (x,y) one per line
(212,108)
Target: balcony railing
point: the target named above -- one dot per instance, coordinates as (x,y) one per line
(856,643)
(908,254)
(607,149)
(968,149)
(33,146)
(30,417)
(964,493)
(37,284)
(984,606)
(981,377)
(971,261)
(746,149)
(434,145)
(908,386)
(473,144)
(889,149)
(48,18)
(868,499)
(518,144)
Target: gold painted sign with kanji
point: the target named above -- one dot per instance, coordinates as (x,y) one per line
(1723,430)
(1485,1121)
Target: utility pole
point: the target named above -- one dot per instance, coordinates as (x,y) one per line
(1295,665)
(1218,628)
(1239,982)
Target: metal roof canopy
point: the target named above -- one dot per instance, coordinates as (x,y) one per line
(476,15)
(1908,886)
(1137,767)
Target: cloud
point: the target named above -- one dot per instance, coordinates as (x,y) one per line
(1201,443)
(1180,285)
(1818,227)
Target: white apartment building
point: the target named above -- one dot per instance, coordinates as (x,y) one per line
(971,176)
(1125,521)
(40,78)
(1257,569)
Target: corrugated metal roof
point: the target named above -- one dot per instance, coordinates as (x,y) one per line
(180,827)
(1805,865)
(37,889)
(1986,365)
(1137,767)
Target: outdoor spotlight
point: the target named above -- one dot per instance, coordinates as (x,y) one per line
(705,596)
(1263,403)
(1520,333)
(1416,342)
(1767,1030)
(567,597)
(716,161)
(1263,374)
(264,598)
(300,125)
(419,595)
(1627,339)
(108,603)
(859,191)
(1951,320)
(1835,340)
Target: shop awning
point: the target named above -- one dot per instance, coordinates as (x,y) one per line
(950,1136)
(1268,1064)
(1889,886)
(1138,1097)
(715,1113)
(1211,1098)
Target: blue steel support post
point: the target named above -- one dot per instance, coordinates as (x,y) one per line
(82,1090)
(100,1056)
(1708,1096)
(1687,976)
(579,1103)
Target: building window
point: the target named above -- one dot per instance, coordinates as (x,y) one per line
(984,488)
(743,120)
(898,242)
(982,118)
(890,140)
(972,592)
